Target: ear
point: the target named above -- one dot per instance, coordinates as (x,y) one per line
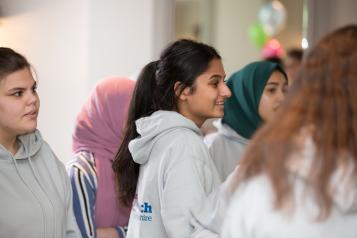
(184,93)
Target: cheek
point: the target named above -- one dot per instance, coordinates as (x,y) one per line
(38,103)
(265,107)
(9,109)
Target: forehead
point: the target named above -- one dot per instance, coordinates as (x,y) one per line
(21,78)
(277,77)
(215,67)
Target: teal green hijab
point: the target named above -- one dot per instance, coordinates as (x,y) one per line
(247,86)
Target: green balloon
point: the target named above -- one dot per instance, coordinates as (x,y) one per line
(257,35)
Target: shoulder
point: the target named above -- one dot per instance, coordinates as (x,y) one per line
(187,152)
(182,141)
(83,160)
(83,164)
(255,194)
(213,138)
(46,153)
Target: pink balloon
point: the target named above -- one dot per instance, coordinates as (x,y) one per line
(272,49)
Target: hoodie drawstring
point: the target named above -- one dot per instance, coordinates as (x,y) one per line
(44,191)
(33,193)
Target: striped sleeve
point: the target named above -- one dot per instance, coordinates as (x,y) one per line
(84,186)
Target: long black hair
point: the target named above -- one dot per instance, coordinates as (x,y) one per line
(182,61)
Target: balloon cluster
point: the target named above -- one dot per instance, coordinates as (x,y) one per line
(272,17)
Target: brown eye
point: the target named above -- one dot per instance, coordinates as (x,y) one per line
(271,90)
(17,94)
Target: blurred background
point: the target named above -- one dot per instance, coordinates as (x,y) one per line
(74,44)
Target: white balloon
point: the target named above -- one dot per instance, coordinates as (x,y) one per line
(272,16)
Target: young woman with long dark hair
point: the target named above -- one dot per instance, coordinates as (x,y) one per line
(162,163)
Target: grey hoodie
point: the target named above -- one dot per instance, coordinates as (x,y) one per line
(226,147)
(176,174)
(35,200)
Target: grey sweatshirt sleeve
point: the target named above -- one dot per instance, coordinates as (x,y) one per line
(207,218)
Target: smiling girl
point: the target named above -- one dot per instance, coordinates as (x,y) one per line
(163,164)
(35,196)
(258,89)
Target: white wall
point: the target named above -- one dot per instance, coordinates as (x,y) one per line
(73,44)
(232,21)
(327,15)
(54,37)
(126,35)
(233,18)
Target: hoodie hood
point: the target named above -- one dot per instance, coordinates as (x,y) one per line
(152,127)
(343,181)
(30,144)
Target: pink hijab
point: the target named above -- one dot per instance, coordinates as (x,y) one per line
(98,129)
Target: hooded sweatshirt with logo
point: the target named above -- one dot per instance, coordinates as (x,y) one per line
(176,174)
(252,213)
(35,200)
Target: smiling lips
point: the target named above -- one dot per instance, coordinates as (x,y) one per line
(220,105)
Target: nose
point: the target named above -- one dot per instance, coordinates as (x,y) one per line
(281,96)
(225,91)
(32,98)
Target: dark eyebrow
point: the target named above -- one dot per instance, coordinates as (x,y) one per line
(272,83)
(275,83)
(217,76)
(17,89)
(22,89)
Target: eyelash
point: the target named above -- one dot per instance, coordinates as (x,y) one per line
(271,90)
(19,93)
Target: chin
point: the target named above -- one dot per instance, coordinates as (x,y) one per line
(29,129)
(218,115)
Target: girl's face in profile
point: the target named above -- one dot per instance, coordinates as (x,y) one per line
(206,99)
(19,104)
(273,95)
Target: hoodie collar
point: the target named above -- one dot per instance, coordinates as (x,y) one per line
(29,145)
(227,131)
(157,124)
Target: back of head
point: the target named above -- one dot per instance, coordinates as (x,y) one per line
(322,103)
(324,89)
(99,124)
(295,53)
(157,88)
(292,62)
(11,61)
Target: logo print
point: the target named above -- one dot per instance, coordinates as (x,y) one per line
(146,208)
(146,211)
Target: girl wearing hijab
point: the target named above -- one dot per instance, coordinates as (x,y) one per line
(96,137)
(257,92)
(36,195)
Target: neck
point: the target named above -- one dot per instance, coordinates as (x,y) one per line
(198,121)
(184,112)
(10,144)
